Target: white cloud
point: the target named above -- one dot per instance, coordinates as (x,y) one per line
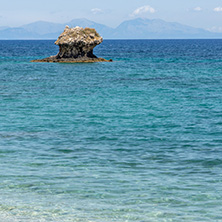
(215,29)
(142,10)
(96,11)
(198,9)
(218,9)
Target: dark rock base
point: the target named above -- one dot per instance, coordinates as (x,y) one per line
(72,60)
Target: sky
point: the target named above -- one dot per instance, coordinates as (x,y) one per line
(205,14)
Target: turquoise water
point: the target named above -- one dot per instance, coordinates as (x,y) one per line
(139,139)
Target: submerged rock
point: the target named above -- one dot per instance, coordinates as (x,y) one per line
(76,45)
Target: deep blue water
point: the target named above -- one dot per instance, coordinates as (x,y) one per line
(139,139)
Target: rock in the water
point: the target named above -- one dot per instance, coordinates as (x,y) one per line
(76,45)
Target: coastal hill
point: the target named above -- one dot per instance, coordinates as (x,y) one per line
(132,29)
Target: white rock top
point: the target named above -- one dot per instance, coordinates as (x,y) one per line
(77,35)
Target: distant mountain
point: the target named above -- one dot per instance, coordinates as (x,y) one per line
(158,29)
(132,29)
(17,33)
(4,27)
(43,28)
(48,30)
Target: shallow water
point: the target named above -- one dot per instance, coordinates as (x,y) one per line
(138,139)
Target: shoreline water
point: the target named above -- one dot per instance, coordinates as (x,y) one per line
(133,140)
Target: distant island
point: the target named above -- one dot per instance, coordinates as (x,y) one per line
(76,45)
(138,28)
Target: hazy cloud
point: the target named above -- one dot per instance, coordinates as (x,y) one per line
(142,10)
(96,11)
(218,9)
(198,9)
(215,29)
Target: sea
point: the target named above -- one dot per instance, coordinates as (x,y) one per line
(136,139)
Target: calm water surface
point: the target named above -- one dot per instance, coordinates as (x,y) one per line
(139,139)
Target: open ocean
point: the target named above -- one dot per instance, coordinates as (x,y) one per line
(139,139)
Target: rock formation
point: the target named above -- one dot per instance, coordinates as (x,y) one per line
(76,45)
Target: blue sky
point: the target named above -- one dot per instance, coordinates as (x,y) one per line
(197,13)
